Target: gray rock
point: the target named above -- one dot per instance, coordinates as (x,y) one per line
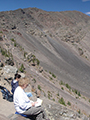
(19,117)
(22,75)
(9,71)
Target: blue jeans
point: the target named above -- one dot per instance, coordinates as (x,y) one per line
(29,94)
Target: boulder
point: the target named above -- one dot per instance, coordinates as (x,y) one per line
(29,55)
(22,75)
(9,71)
(40,69)
(9,61)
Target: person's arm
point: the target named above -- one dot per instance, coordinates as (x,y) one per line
(24,101)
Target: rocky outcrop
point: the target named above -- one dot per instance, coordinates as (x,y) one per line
(9,61)
(8,72)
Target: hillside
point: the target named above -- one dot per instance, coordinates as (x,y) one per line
(60,41)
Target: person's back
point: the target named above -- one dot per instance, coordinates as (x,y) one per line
(14,82)
(14,85)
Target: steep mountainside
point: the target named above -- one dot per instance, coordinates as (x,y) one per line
(60,40)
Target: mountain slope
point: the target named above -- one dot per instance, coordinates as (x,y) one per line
(43,32)
(60,40)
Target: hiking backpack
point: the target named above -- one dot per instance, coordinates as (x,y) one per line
(6,94)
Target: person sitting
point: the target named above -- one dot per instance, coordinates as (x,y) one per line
(14,84)
(24,105)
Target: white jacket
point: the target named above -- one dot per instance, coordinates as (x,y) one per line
(21,101)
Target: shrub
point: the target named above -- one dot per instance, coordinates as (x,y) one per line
(4,52)
(39,87)
(38,62)
(53,99)
(58,94)
(49,94)
(34,80)
(61,101)
(53,76)
(79,111)
(69,103)
(15,44)
(12,40)
(61,82)
(25,54)
(76,91)
(22,68)
(62,88)
(68,86)
(1,32)
(50,72)
(79,94)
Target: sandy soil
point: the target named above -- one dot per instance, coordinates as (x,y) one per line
(6,108)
